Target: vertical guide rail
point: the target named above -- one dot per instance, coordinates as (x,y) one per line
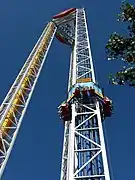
(65,160)
(15,103)
(74,70)
(89,51)
(71,157)
(72,163)
(83,55)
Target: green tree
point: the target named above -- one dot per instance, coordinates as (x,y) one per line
(123,48)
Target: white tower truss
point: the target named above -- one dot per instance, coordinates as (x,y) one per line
(13,108)
(84,154)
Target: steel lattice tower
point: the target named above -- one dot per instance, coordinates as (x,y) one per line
(84,155)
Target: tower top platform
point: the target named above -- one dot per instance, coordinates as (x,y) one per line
(64,13)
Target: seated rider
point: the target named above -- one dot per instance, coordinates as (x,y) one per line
(92,91)
(107,111)
(84,91)
(107,107)
(106,100)
(85,95)
(77,93)
(65,112)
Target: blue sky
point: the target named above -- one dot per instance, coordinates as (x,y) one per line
(37,150)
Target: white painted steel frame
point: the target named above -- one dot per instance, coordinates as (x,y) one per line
(71,147)
(65,160)
(86,138)
(74,62)
(7,139)
(84,63)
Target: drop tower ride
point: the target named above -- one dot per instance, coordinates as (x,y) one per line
(84,154)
